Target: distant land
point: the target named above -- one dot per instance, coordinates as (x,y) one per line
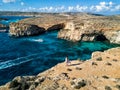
(18,13)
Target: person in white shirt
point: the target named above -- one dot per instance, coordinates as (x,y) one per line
(67,61)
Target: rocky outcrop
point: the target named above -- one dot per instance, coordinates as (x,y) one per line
(77,26)
(23,29)
(78,83)
(113,36)
(37,25)
(92,28)
(101,72)
(47,21)
(3,28)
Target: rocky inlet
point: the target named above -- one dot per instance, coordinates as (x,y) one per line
(74,27)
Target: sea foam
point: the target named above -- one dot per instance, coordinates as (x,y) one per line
(36,40)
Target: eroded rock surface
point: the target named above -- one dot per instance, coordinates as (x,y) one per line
(92,28)
(78,26)
(101,72)
(37,25)
(23,29)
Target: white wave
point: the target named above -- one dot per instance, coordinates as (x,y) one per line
(37,40)
(17,61)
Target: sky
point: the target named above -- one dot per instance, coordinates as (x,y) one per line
(92,6)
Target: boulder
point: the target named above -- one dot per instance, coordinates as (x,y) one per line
(23,83)
(78,83)
(23,29)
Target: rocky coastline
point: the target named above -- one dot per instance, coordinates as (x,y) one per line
(3,28)
(75,27)
(101,72)
(92,28)
(23,29)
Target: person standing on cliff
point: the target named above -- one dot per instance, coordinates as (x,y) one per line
(67,61)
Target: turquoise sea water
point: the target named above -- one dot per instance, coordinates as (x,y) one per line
(32,55)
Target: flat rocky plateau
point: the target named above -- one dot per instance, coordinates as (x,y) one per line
(101,72)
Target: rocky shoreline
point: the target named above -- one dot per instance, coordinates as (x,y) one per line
(101,72)
(3,28)
(22,29)
(74,27)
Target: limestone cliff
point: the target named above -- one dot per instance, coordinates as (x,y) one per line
(113,36)
(23,29)
(92,28)
(36,25)
(101,72)
(75,26)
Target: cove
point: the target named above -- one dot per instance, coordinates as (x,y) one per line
(32,55)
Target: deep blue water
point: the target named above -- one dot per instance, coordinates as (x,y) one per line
(11,19)
(32,55)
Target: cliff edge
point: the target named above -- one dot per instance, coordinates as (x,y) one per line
(101,72)
(92,28)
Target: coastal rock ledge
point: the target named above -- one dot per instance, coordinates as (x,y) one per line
(101,72)
(23,29)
